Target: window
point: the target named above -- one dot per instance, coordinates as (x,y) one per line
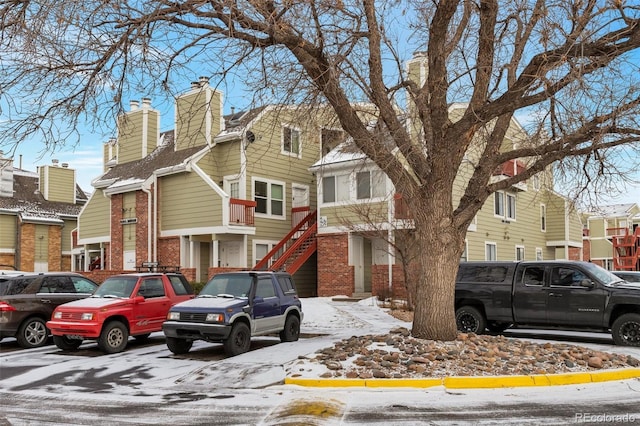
(265,288)
(491,251)
(543,218)
(482,273)
(498,204)
(504,205)
(57,285)
(234,189)
(291,141)
(286,285)
(83,285)
(511,206)
(261,249)
(369,184)
(180,287)
(566,277)
(533,276)
(519,253)
(539,253)
(269,197)
(335,188)
(151,287)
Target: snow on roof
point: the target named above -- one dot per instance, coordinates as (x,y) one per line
(613,210)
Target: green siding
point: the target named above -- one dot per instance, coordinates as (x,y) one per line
(601,249)
(130,137)
(61,184)
(95,218)
(191,120)
(186,201)
(69,226)
(8,231)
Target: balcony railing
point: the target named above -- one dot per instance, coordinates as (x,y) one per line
(242,212)
(298,214)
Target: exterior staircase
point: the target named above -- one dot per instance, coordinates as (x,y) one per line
(294,249)
(626,248)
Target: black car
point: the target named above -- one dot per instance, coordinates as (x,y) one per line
(27,302)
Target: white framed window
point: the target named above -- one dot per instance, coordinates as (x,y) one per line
(291,141)
(269,196)
(498,204)
(539,253)
(543,218)
(511,206)
(261,248)
(335,188)
(490,251)
(504,205)
(519,252)
(465,254)
(370,184)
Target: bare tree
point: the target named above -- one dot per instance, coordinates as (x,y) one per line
(568,65)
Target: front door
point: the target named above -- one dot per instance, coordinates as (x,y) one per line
(230,254)
(300,196)
(357,258)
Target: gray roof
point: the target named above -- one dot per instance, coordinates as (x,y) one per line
(163,156)
(28,202)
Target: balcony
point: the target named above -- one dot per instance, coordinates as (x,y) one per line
(242,212)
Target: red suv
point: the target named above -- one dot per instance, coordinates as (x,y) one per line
(124,305)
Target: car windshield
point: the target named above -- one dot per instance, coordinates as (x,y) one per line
(116,287)
(228,285)
(606,277)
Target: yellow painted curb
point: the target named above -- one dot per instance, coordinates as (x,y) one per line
(475,382)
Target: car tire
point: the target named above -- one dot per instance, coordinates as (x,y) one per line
(497,327)
(291,331)
(179,346)
(113,338)
(239,340)
(626,330)
(470,320)
(66,344)
(32,333)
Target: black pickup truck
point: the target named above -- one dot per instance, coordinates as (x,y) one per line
(564,295)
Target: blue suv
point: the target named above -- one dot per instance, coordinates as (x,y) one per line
(232,308)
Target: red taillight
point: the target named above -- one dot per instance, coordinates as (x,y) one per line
(5,307)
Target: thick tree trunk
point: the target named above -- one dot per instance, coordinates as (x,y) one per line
(440,246)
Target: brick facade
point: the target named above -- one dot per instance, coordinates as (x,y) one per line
(27,246)
(335,276)
(54,256)
(169,251)
(143,251)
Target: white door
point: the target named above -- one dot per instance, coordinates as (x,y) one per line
(230,254)
(357,257)
(300,196)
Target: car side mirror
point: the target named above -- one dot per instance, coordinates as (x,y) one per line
(587,283)
(138,299)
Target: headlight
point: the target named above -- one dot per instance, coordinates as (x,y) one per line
(57,315)
(173,316)
(87,316)
(215,318)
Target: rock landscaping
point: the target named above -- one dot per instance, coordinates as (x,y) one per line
(399,355)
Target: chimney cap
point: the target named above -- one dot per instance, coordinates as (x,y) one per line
(65,165)
(134,104)
(55,161)
(146,102)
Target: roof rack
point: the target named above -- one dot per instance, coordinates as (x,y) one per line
(156,267)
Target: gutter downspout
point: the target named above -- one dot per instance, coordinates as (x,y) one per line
(149,219)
